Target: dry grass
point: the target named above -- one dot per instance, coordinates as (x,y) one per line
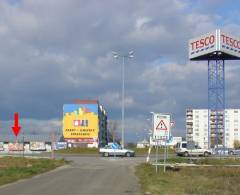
(190,180)
(15,168)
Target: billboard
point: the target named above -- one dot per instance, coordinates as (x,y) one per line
(15,147)
(37,146)
(216,42)
(59,145)
(202,45)
(80,122)
(230,44)
(161,126)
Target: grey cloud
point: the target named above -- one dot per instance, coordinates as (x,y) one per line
(52,53)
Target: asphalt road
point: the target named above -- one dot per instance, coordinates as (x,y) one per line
(83,176)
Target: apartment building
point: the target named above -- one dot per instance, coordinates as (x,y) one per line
(202,129)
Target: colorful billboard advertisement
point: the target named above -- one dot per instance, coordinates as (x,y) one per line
(37,146)
(15,147)
(80,121)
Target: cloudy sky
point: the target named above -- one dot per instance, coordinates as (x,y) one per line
(55,51)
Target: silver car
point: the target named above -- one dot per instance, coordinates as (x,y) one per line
(118,151)
(234,152)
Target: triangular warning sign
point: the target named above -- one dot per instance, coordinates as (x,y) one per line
(161,126)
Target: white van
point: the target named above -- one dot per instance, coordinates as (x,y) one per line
(189,149)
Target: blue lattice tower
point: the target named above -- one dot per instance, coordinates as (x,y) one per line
(216,102)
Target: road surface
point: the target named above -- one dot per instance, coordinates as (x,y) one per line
(83,176)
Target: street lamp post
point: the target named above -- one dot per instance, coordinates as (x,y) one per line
(123,56)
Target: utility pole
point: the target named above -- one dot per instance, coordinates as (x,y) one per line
(52,140)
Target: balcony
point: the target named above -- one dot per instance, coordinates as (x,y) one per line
(189,126)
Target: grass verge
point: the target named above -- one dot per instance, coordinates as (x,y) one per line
(205,161)
(189,180)
(15,168)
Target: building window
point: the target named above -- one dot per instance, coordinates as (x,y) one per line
(235,111)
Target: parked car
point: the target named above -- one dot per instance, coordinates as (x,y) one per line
(234,152)
(188,149)
(108,150)
(220,151)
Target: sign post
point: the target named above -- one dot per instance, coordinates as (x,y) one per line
(161,131)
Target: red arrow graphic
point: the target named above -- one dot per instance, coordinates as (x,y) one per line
(16,128)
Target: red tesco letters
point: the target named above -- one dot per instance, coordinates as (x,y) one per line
(230,41)
(209,40)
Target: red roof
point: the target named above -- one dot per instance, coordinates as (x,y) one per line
(78,101)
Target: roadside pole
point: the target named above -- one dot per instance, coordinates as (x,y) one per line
(156,148)
(165,152)
(149,152)
(23,145)
(52,138)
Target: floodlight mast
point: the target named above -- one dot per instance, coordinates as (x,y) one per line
(123,56)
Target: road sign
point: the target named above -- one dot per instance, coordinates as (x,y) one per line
(161,128)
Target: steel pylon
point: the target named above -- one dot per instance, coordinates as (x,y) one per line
(216,103)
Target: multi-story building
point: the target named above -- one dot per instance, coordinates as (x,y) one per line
(201,128)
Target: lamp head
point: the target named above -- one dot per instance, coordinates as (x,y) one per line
(115,54)
(130,54)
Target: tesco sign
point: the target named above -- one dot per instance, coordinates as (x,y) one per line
(230,41)
(203,42)
(202,47)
